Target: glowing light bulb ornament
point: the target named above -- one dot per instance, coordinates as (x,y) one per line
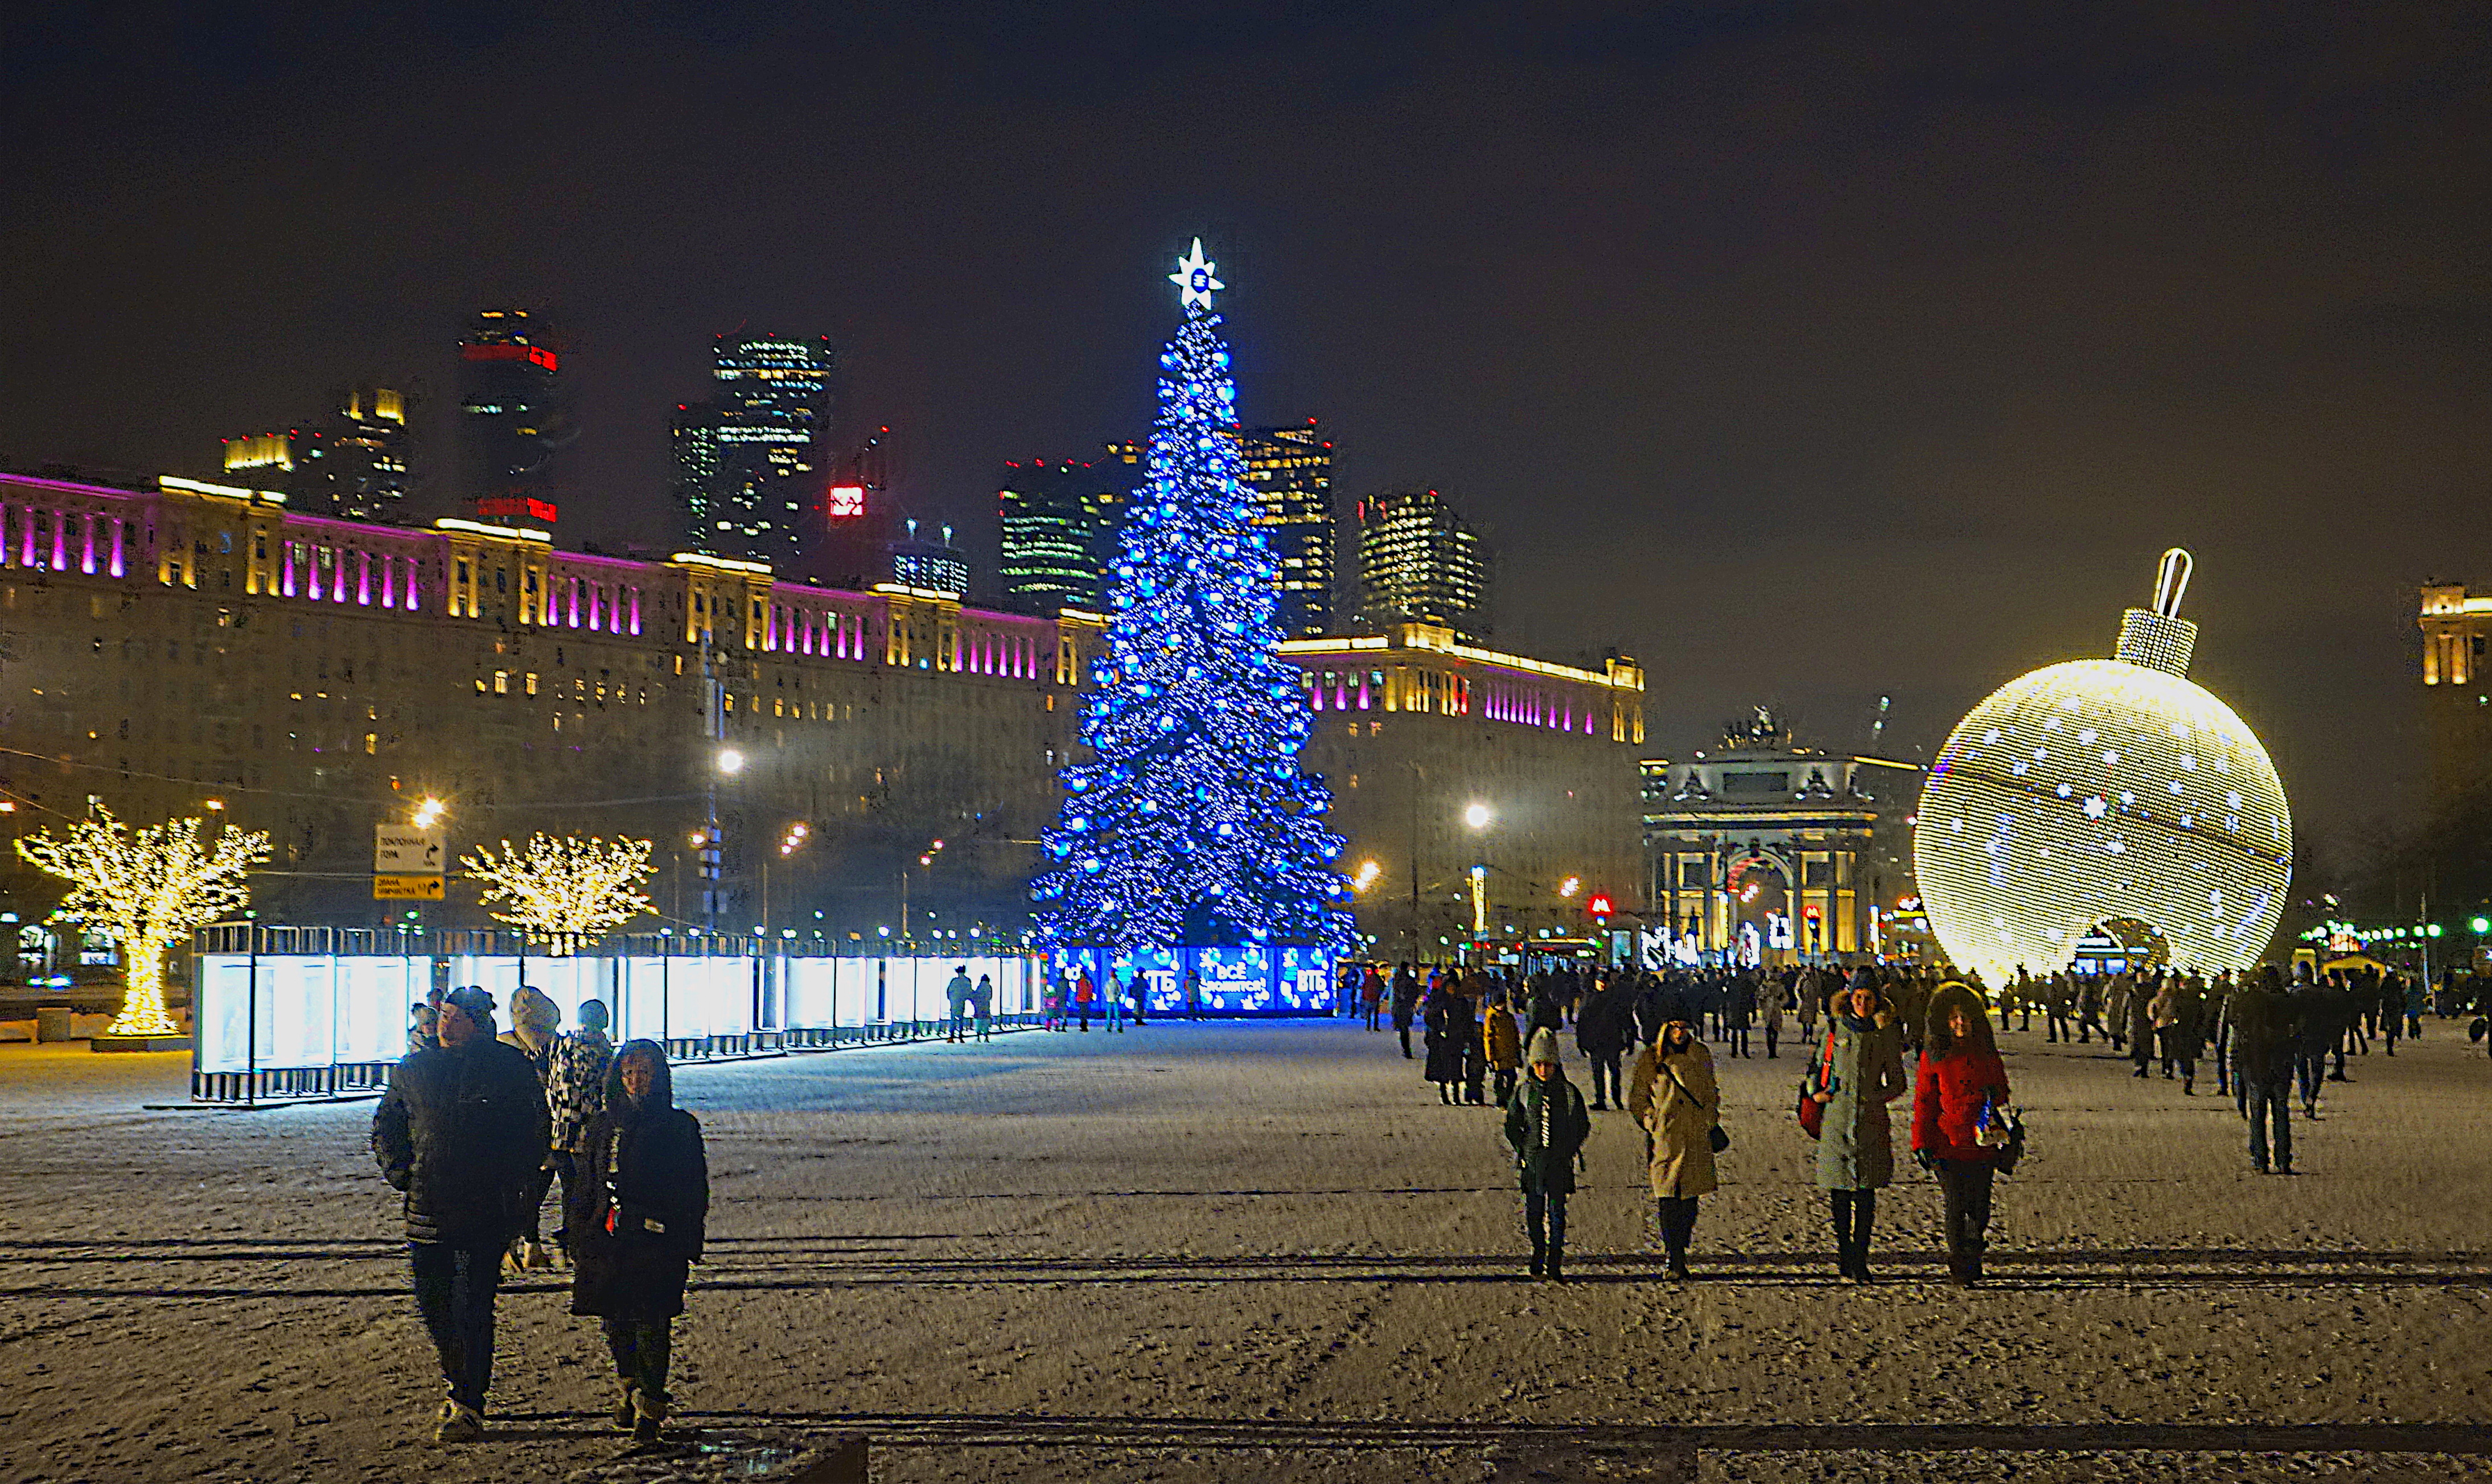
(2106,797)
(1190,826)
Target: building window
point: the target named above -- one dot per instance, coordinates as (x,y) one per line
(371,742)
(501,682)
(529,682)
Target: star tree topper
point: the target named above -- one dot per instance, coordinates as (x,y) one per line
(1195,284)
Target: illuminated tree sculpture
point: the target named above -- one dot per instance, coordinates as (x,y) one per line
(148,889)
(563,890)
(1192,825)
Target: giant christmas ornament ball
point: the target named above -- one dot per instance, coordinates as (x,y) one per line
(2105,792)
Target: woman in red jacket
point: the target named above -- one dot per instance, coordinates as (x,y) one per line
(1962,1086)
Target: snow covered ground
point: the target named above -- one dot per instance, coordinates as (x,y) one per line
(1267,1252)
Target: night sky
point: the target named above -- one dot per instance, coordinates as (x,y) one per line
(1808,353)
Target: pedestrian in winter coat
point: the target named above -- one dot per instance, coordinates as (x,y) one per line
(1856,1151)
(2266,1037)
(957,995)
(1406,1003)
(575,1075)
(536,1023)
(642,1216)
(1672,1094)
(1371,995)
(2141,1026)
(462,1132)
(982,1003)
(1960,1095)
(1444,1065)
(1604,1028)
(1504,1042)
(1546,1126)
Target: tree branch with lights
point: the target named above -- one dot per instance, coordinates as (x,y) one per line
(563,890)
(148,889)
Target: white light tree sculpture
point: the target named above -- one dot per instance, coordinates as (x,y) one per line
(563,889)
(148,889)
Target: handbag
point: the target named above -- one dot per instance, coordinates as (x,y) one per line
(1812,1113)
(2001,1128)
(1713,1136)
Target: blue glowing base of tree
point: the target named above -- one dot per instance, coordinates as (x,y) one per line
(1228,981)
(1191,826)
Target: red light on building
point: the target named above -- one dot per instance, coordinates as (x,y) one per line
(847,503)
(515,507)
(534,354)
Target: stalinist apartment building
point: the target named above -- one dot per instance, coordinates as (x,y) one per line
(1443,756)
(198,648)
(201,649)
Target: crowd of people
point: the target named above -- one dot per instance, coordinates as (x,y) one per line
(474,1129)
(1647,1038)
(2270,1039)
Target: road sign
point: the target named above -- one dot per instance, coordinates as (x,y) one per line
(407,888)
(403,849)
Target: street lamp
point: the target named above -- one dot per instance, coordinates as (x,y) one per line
(1477,817)
(730,761)
(426,813)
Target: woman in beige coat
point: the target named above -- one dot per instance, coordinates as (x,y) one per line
(1674,1098)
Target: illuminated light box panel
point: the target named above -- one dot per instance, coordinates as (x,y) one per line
(1281,980)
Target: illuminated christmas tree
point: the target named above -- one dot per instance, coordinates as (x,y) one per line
(563,891)
(148,889)
(1192,824)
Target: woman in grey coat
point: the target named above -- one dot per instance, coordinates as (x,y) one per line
(1856,1151)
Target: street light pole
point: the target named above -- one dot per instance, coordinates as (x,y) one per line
(1414,860)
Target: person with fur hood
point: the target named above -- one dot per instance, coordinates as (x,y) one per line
(1861,1071)
(535,1020)
(1961,1092)
(1672,1094)
(637,1219)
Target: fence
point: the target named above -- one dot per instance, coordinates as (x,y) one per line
(319,1012)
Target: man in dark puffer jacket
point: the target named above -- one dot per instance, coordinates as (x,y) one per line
(462,1131)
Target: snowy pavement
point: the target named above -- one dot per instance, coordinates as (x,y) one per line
(1267,1252)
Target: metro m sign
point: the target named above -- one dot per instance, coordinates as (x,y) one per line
(847,503)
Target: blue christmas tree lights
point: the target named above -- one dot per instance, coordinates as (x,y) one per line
(1191,824)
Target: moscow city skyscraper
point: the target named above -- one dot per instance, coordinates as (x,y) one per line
(515,418)
(1419,562)
(1288,471)
(1059,522)
(752,463)
(353,463)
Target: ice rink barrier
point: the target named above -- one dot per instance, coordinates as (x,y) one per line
(289,1013)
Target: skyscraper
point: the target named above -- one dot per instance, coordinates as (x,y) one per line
(353,463)
(514,418)
(1288,471)
(366,449)
(753,463)
(1418,562)
(1059,521)
(934,565)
